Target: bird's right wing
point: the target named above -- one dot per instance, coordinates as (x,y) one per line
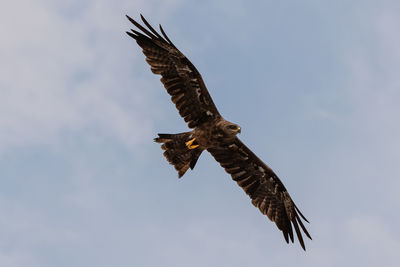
(179,76)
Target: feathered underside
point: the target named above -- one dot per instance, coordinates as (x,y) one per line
(181,79)
(263,187)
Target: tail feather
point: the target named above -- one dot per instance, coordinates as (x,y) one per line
(176,151)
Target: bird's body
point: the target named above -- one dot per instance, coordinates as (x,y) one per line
(213,133)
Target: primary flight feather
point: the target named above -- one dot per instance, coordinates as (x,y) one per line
(213,133)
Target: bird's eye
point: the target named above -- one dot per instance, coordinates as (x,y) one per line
(233,127)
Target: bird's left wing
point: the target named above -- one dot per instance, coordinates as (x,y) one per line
(179,76)
(263,186)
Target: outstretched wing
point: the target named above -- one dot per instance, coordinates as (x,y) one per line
(181,79)
(263,186)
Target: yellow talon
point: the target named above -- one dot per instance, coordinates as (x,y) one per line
(190,142)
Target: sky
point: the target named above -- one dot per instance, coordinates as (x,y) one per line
(314,85)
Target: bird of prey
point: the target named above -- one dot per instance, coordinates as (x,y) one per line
(213,133)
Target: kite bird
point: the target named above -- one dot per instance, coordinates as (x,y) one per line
(213,133)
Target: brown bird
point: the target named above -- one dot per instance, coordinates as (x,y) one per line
(213,133)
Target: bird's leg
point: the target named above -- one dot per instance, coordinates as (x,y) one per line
(190,145)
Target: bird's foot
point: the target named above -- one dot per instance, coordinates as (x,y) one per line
(190,144)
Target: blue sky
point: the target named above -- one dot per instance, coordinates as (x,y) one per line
(314,85)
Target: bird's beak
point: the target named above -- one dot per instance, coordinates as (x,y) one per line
(239,130)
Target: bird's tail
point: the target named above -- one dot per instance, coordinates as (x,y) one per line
(177,150)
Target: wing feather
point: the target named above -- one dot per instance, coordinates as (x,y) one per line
(179,76)
(263,186)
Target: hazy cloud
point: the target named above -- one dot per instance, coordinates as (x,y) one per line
(64,69)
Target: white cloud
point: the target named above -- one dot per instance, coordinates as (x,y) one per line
(66,68)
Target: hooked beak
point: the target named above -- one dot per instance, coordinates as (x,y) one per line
(239,130)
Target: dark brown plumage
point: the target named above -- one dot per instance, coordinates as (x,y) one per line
(213,133)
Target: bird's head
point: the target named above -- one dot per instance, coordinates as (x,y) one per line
(232,129)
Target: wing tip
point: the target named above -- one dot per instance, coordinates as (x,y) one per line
(165,36)
(301,214)
(133,35)
(150,32)
(286,236)
(130,19)
(296,221)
